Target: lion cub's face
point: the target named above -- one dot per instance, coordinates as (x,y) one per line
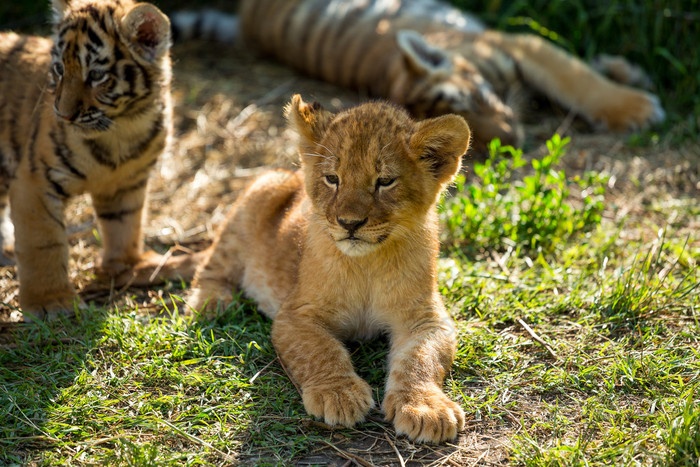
(371,172)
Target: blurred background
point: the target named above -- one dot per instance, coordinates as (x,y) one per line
(661,36)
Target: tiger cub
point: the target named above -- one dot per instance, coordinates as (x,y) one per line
(89,111)
(435,59)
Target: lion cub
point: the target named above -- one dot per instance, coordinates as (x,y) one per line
(345,249)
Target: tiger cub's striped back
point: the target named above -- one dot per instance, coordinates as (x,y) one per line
(88,111)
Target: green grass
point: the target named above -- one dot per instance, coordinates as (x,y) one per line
(612,377)
(613,299)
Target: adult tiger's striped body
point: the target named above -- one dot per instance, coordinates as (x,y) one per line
(435,59)
(88,111)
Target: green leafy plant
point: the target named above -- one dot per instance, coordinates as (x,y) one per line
(496,210)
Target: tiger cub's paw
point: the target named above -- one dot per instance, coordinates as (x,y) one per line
(426,416)
(52,310)
(345,401)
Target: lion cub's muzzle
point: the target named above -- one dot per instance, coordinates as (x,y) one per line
(354,237)
(351,225)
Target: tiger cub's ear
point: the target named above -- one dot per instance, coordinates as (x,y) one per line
(422,57)
(59,8)
(309,120)
(439,144)
(148,29)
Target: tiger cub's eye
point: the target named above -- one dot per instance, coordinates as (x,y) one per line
(58,69)
(95,76)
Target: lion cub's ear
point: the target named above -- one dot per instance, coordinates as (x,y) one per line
(440,143)
(309,120)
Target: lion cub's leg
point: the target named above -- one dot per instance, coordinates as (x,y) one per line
(321,366)
(217,277)
(419,359)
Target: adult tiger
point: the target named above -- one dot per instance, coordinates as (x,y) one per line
(88,111)
(435,59)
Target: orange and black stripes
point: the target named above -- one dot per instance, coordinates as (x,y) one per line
(88,111)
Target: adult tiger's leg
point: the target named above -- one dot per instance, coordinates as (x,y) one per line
(41,251)
(574,84)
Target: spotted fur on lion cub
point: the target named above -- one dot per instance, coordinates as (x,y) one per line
(346,248)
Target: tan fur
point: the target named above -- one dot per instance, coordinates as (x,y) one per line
(345,249)
(89,112)
(434,60)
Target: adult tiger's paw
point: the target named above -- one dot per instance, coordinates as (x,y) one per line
(426,416)
(344,401)
(630,109)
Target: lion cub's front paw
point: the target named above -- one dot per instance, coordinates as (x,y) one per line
(428,416)
(344,401)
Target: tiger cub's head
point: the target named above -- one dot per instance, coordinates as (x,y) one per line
(372,173)
(109,60)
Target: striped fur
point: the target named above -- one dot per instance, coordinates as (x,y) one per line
(434,59)
(86,111)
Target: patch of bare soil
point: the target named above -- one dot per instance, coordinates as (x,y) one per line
(229,126)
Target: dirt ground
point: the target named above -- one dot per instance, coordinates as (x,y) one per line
(229,126)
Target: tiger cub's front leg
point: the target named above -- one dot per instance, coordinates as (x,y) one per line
(41,251)
(320,364)
(421,354)
(119,215)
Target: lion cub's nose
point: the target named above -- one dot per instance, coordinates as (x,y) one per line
(351,225)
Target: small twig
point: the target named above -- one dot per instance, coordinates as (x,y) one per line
(396,450)
(537,338)
(225,456)
(164,259)
(351,456)
(255,376)
(284,368)
(501,261)
(481,456)
(566,123)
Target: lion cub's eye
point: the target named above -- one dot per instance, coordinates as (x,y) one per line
(332,180)
(385,182)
